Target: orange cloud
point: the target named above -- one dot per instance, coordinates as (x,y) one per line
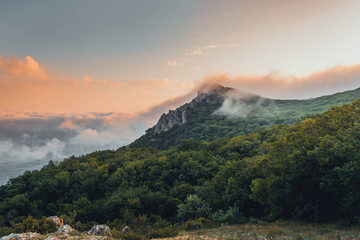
(26,86)
(23,68)
(273,85)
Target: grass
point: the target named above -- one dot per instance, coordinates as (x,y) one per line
(274,231)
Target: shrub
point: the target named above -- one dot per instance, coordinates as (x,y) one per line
(163,233)
(193,208)
(231,216)
(192,225)
(31,224)
(4,231)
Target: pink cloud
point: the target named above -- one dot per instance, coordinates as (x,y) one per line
(273,85)
(26,86)
(25,68)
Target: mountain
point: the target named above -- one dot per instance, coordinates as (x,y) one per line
(308,171)
(218,112)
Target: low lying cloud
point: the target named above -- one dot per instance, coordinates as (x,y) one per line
(29,140)
(240,105)
(274,85)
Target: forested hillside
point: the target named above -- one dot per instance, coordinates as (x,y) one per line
(306,171)
(225,112)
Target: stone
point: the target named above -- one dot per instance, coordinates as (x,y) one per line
(65,229)
(178,116)
(126,229)
(59,221)
(52,238)
(100,230)
(21,236)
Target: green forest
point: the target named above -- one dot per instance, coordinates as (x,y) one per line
(203,125)
(308,171)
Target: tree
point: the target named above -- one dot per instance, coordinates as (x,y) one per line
(193,208)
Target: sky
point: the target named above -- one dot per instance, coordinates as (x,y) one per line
(85,75)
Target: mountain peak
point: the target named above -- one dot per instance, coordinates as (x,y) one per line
(207,93)
(219,111)
(214,88)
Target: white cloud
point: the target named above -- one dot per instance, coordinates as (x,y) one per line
(193,53)
(9,150)
(174,63)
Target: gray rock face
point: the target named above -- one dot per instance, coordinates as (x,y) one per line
(178,116)
(53,238)
(126,229)
(59,221)
(21,236)
(65,229)
(100,230)
(173,118)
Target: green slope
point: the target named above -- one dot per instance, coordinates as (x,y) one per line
(203,124)
(306,171)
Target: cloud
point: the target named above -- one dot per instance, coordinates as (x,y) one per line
(16,158)
(204,49)
(239,104)
(23,153)
(27,142)
(274,85)
(23,68)
(195,52)
(25,87)
(201,50)
(173,63)
(68,124)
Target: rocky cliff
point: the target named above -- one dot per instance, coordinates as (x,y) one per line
(178,116)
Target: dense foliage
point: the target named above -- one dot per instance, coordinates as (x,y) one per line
(203,125)
(307,171)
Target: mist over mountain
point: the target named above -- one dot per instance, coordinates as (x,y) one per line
(218,112)
(30,140)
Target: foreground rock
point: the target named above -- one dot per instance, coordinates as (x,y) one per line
(100,230)
(53,238)
(58,221)
(126,229)
(65,229)
(21,236)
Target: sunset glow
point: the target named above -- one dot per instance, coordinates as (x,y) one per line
(128,68)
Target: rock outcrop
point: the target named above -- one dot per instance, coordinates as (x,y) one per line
(126,229)
(53,238)
(65,229)
(21,236)
(178,116)
(58,221)
(174,117)
(100,230)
